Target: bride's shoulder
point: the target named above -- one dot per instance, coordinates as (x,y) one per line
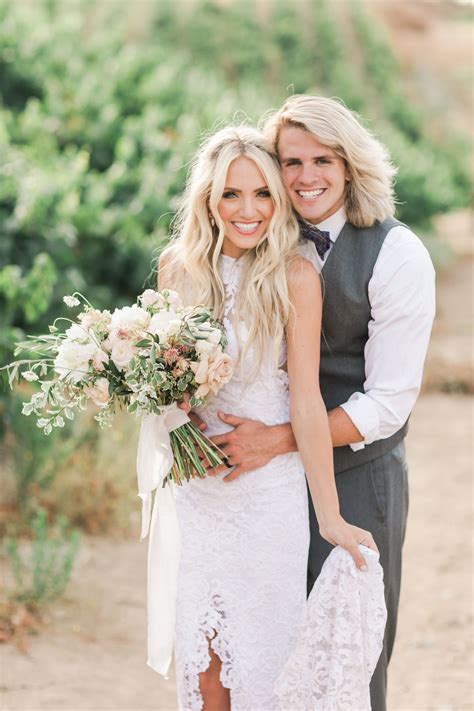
(302,274)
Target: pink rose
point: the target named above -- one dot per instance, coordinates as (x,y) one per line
(99,392)
(100,357)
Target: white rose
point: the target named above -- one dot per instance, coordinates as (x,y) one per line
(72,360)
(162,322)
(99,392)
(130,318)
(122,353)
(151,298)
(78,333)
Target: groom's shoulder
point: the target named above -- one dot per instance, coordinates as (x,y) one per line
(401,243)
(390,231)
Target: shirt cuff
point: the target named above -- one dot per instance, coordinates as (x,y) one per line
(363,413)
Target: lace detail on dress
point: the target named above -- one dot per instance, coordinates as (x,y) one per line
(340,639)
(212,629)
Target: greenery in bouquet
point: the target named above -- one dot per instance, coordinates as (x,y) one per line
(142,358)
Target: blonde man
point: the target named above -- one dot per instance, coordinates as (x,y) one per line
(378,311)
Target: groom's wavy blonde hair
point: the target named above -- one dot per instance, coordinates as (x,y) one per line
(369,194)
(190,263)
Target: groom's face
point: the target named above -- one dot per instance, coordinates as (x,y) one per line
(315,177)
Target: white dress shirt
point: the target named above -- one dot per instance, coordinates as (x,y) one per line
(402,300)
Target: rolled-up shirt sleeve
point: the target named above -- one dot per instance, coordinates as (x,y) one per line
(402,299)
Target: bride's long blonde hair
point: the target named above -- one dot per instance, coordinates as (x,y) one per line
(190,262)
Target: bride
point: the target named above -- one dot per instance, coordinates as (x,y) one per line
(241,585)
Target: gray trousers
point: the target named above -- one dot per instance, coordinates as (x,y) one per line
(373,496)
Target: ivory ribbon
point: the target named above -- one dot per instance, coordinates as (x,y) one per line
(154,461)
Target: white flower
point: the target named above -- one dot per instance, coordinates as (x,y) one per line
(122,353)
(204,347)
(99,392)
(153,299)
(71,301)
(72,360)
(164,321)
(214,336)
(93,317)
(129,319)
(78,334)
(30,376)
(172,297)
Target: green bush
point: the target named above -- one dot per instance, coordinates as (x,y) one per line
(43,576)
(97,125)
(102,105)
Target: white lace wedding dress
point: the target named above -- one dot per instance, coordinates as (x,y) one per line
(244,548)
(242,574)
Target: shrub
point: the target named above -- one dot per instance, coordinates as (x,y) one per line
(44,576)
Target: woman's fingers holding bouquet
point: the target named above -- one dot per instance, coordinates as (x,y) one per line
(183,404)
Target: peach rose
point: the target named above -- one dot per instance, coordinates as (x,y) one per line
(212,371)
(100,357)
(99,392)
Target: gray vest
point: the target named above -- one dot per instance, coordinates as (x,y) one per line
(346,315)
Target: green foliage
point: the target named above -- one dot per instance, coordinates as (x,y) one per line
(432,176)
(34,457)
(42,577)
(97,125)
(102,105)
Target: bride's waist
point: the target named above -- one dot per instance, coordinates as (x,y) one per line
(284,470)
(271,408)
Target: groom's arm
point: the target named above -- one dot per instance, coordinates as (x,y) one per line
(252,444)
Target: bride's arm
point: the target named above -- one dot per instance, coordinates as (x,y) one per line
(308,414)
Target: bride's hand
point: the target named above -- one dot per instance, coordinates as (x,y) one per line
(341,533)
(183,404)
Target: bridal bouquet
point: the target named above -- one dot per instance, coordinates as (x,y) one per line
(142,358)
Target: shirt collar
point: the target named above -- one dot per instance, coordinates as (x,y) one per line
(334,224)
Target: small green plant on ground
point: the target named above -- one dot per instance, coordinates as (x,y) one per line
(43,576)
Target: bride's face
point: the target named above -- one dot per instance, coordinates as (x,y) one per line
(246,207)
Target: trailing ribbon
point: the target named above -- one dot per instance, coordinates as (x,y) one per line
(154,461)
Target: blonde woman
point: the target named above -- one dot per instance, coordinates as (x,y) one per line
(242,577)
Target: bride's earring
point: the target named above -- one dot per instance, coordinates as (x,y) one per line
(212,220)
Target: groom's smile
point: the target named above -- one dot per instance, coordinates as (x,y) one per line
(314,175)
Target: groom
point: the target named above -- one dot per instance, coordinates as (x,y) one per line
(378,284)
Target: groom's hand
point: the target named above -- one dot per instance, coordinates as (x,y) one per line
(251,444)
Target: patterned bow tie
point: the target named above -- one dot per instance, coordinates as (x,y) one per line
(319,238)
